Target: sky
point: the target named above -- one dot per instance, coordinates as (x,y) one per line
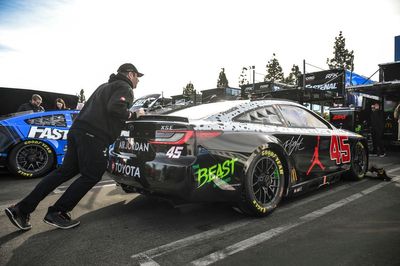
(64,46)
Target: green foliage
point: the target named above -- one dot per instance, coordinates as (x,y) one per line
(222,80)
(293,76)
(243,77)
(189,89)
(81,96)
(274,70)
(342,58)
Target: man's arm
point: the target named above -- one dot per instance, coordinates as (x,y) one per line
(119,102)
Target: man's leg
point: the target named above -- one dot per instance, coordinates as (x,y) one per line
(92,154)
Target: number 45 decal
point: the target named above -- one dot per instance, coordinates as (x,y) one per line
(174,152)
(340,149)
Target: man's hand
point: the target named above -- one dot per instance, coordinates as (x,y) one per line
(134,115)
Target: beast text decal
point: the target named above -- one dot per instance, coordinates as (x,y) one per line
(47,133)
(217,171)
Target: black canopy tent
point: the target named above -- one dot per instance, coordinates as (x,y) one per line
(12,98)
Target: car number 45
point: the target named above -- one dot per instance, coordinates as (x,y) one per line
(174,152)
(340,149)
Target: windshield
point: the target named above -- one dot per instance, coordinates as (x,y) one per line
(206,110)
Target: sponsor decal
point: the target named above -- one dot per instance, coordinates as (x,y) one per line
(324,87)
(47,133)
(36,142)
(293,144)
(22,173)
(315,159)
(259,207)
(130,145)
(339,149)
(293,176)
(217,171)
(128,170)
(339,117)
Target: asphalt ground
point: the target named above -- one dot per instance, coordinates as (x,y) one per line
(347,223)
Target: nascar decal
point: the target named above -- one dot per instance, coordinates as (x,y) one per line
(217,171)
(47,133)
(339,149)
(315,159)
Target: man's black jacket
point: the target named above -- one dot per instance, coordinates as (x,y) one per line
(29,106)
(106,111)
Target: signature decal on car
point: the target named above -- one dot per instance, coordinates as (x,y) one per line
(293,144)
(47,133)
(217,171)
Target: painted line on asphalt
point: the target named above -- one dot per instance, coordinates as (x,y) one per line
(145,258)
(393,170)
(260,238)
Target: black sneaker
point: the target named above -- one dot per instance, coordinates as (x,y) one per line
(382,155)
(18,218)
(61,220)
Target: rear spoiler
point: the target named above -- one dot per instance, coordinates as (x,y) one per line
(164,118)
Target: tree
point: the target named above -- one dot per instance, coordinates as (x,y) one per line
(274,70)
(222,80)
(243,77)
(81,96)
(342,58)
(294,75)
(189,89)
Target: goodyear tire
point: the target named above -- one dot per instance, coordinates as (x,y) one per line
(264,184)
(359,162)
(31,158)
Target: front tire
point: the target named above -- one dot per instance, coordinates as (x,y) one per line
(359,162)
(263,185)
(31,158)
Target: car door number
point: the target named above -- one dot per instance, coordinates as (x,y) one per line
(340,149)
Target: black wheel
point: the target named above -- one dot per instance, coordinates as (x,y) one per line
(263,185)
(359,162)
(31,158)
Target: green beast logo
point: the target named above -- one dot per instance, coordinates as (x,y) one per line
(221,170)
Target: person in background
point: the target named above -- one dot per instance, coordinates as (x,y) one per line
(377,124)
(98,124)
(397,116)
(33,105)
(60,104)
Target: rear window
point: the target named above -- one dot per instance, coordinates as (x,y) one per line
(206,110)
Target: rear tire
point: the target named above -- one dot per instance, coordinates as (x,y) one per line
(263,185)
(359,162)
(30,159)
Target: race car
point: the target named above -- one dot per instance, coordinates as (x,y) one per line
(251,153)
(32,144)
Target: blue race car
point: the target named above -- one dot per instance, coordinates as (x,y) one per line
(32,144)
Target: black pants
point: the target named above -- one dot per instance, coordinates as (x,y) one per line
(86,155)
(377,141)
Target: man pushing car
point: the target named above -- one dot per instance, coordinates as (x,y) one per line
(98,124)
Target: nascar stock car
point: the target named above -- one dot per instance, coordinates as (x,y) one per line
(251,153)
(32,144)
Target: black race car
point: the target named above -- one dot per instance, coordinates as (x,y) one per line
(249,152)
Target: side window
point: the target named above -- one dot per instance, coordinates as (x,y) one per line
(48,120)
(265,115)
(299,117)
(73,116)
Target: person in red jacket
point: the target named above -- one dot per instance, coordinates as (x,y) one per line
(97,126)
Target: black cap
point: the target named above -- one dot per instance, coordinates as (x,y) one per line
(128,67)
